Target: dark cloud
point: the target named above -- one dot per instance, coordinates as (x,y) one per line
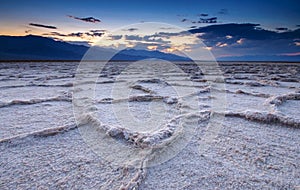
(281,29)
(223,12)
(86,19)
(98,30)
(95,34)
(193,27)
(231,39)
(247,39)
(133,37)
(55,34)
(42,26)
(131,29)
(247,31)
(298,25)
(202,20)
(115,37)
(91,33)
(76,34)
(203,15)
(184,20)
(170,34)
(208,20)
(27,31)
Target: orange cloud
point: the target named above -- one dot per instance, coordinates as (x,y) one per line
(152,47)
(170,50)
(207,48)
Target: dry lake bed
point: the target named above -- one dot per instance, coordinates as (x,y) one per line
(145,126)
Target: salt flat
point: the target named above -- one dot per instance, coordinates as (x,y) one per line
(143,130)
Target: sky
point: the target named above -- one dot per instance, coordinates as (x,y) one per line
(227,28)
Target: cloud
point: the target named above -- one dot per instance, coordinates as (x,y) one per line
(297,43)
(76,34)
(291,54)
(281,29)
(98,30)
(208,20)
(248,30)
(239,35)
(223,12)
(203,15)
(42,26)
(166,28)
(133,37)
(84,43)
(240,41)
(247,39)
(86,19)
(155,38)
(154,41)
(228,37)
(220,44)
(91,33)
(94,34)
(131,29)
(170,34)
(232,39)
(116,37)
(55,34)
(202,20)
(184,20)
(152,46)
(147,38)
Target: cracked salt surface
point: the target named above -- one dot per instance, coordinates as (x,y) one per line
(27,93)
(290,108)
(246,155)
(22,119)
(257,146)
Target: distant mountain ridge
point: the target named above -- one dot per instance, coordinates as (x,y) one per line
(41,48)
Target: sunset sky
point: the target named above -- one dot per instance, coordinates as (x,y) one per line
(228,28)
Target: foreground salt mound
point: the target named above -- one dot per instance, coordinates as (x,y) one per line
(266,117)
